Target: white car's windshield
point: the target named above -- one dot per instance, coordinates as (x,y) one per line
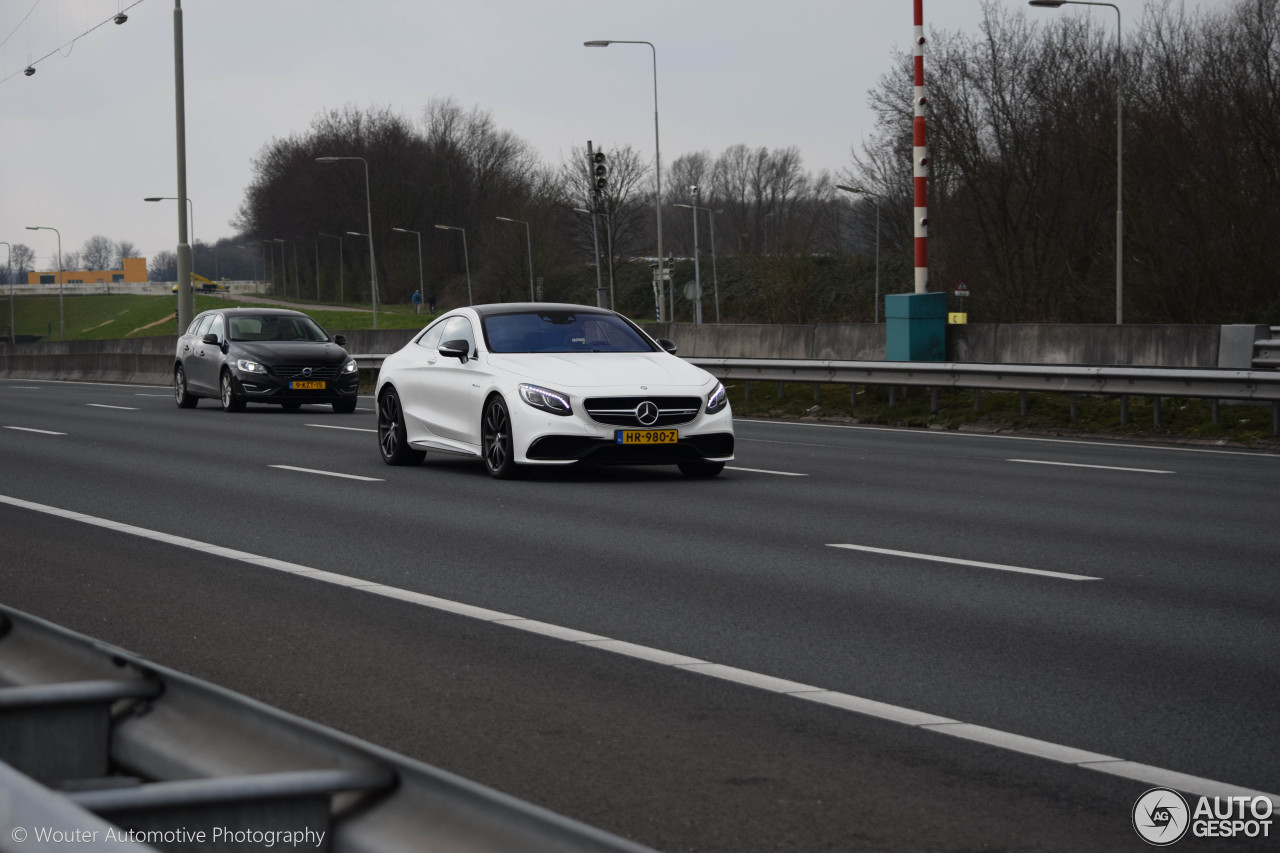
(562,331)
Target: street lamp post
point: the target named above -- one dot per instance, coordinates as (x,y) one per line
(1054,4)
(711,220)
(186,301)
(373,266)
(529,243)
(62,323)
(657,161)
(191,212)
(340,271)
(417,234)
(284,267)
(465,260)
(9,275)
(859,191)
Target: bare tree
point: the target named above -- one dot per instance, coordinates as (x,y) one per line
(98,253)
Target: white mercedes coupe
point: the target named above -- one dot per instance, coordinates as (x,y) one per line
(547,384)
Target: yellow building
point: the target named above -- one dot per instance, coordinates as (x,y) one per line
(134,272)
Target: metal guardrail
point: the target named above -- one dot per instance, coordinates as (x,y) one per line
(1124,382)
(98,745)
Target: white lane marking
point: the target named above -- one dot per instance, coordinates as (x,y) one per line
(975,563)
(105,406)
(957,434)
(153,395)
(349,429)
(25,387)
(326,473)
(763,471)
(788,443)
(41,431)
(1083,759)
(1099,467)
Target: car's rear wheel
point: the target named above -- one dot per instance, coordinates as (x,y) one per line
(232,400)
(701,468)
(184,398)
(344,407)
(495,440)
(393,442)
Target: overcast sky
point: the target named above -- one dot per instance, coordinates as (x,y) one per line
(88,136)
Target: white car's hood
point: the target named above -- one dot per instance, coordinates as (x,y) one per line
(563,371)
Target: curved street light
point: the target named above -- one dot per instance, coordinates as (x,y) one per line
(373,266)
(417,234)
(711,219)
(529,243)
(657,161)
(62,323)
(1054,4)
(465,260)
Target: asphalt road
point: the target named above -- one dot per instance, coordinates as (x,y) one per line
(1028,611)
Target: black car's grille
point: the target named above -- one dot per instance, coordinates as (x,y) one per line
(298,371)
(627,411)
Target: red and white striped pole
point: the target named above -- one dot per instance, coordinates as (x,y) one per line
(921,160)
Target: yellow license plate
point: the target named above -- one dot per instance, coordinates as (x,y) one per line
(647,436)
(307,385)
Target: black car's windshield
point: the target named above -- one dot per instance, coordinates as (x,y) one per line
(562,331)
(275,327)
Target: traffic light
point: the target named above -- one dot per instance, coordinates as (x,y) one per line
(599,171)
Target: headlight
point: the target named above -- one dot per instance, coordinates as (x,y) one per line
(350,367)
(546,400)
(717,399)
(249,366)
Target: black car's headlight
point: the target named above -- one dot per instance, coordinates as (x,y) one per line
(717,399)
(546,399)
(350,367)
(248,366)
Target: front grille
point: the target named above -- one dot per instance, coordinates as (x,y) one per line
(295,371)
(621,411)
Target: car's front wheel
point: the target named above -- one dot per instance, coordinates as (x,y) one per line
(495,440)
(232,401)
(393,442)
(184,398)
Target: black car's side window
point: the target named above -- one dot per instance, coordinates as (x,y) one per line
(219,327)
(191,330)
(205,322)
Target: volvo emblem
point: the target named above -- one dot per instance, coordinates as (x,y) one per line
(647,413)
(306,371)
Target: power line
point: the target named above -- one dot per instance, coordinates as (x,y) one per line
(32,65)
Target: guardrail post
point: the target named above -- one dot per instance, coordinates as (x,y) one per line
(893,396)
(1124,410)
(817,393)
(1275,417)
(1075,407)
(1214,412)
(933,401)
(1155,412)
(853,395)
(780,391)
(977,400)
(1022,403)
(746,390)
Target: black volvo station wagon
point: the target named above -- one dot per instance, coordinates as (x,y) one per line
(261,355)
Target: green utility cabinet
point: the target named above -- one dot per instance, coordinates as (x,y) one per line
(915,327)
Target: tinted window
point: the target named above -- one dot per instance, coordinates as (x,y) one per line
(219,327)
(276,327)
(204,323)
(562,331)
(431,340)
(459,329)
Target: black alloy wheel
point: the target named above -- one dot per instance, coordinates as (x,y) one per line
(184,398)
(393,443)
(495,440)
(232,401)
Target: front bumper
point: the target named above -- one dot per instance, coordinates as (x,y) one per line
(717,446)
(266,388)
